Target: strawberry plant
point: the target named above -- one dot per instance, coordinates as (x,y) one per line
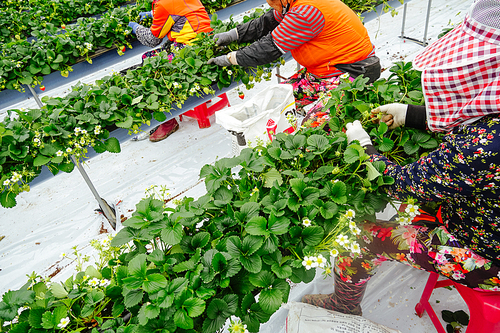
(272,215)
(212,6)
(455,321)
(68,125)
(354,101)
(26,62)
(20,21)
(57,49)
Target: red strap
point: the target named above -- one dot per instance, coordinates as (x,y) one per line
(424,216)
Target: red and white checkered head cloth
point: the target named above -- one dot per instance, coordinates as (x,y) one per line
(460,74)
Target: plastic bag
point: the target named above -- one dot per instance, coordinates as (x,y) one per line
(306,318)
(257,120)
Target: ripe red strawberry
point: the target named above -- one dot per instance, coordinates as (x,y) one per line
(42,88)
(123,49)
(241,95)
(63,26)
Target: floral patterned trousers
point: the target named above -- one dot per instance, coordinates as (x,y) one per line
(431,248)
(307,88)
(166,46)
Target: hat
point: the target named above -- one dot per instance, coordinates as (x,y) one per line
(460,79)
(476,39)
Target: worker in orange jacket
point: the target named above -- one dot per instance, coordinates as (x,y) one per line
(177,21)
(325,37)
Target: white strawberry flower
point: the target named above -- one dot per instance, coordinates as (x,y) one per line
(309,262)
(63,323)
(342,240)
(412,210)
(355,247)
(350,214)
(403,220)
(104,283)
(321,261)
(356,231)
(94,282)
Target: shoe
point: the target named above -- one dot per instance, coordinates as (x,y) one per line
(164,130)
(144,135)
(346,298)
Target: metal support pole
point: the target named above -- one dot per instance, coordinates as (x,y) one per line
(404,20)
(278,74)
(106,209)
(37,99)
(421,42)
(427,22)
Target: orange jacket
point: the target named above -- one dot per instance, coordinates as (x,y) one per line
(343,40)
(179,20)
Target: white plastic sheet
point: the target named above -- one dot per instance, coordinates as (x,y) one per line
(59,213)
(305,318)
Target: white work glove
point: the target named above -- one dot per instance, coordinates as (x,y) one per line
(356,132)
(394,115)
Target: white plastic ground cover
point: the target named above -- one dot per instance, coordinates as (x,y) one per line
(306,318)
(59,213)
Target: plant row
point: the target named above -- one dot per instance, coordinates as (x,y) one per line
(68,125)
(20,21)
(272,215)
(26,62)
(57,48)
(213,6)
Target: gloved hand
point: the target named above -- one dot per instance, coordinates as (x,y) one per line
(356,132)
(222,61)
(143,15)
(226,38)
(394,115)
(134,26)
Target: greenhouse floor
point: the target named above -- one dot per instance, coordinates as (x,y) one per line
(59,213)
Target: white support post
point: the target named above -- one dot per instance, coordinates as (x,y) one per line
(421,42)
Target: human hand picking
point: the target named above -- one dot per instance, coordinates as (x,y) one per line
(222,61)
(134,26)
(143,15)
(394,114)
(355,131)
(226,38)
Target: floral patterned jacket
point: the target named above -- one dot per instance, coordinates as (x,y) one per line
(463,173)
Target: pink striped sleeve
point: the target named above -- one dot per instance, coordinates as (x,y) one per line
(300,25)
